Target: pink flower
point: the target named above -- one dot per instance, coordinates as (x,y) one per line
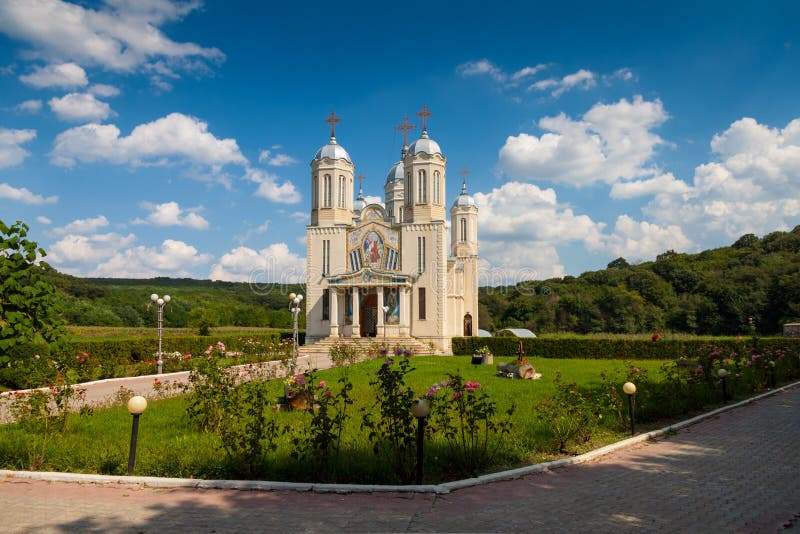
(209,349)
(327,393)
(656,336)
(37,356)
(471,386)
(322,384)
(300,380)
(456,396)
(220,346)
(187,356)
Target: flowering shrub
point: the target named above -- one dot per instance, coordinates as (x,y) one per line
(392,430)
(468,420)
(566,416)
(320,439)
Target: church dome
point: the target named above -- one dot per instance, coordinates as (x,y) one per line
(332,150)
(396,173)
(424,144)
(464,200)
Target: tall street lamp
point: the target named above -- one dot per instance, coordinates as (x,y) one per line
(160,302)
(136,405)
(385,318)
(420,408)
(294,307)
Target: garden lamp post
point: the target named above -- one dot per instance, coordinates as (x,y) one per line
(385,318)
(294,307)
(723,376)
(771,374)
(136,405)
(630,389)
(420,408)
(160,302)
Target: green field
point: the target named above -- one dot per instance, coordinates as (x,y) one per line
(170,446)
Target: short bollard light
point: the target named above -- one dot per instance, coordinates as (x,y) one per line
(136,406)
(772,374)
(630,389)
(723,376)
(420,408)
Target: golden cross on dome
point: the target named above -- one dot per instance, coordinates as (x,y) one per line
(360,179)
(332,120)
(424,114)
(405,126)
(463,173)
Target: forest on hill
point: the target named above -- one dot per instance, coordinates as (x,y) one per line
(713,292)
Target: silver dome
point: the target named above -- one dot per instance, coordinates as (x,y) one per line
(332,150)
(359,205)
(396,173)
(424,144)
(464,200)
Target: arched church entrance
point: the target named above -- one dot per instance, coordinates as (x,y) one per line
(369,315)
(467,325)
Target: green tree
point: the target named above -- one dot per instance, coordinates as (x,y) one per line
(28,310)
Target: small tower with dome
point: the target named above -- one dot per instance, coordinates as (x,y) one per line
(332,182)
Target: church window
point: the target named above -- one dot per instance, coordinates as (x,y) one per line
(463,229)
(422,192)
(326,305)
(326,257)
(355,260)
(342,195)
(422,303)
(436,184)
(327,191)
(401,215)
(421,254)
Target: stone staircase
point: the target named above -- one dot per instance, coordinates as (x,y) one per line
(320,350)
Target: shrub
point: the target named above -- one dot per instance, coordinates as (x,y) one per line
(567,416)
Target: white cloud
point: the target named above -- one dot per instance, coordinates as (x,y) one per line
(482,67)
(642,241)
(41,219)
(663,183)
(172,258)
(79,107)
(275,263)
(268,187)
(299,216)
(624,74)
(64,75)
(174,136)
(86,250)
(370,199)
(30,106)
(23,195)
(104,90)
(582,79)
(275,160)
(171,214)
(121,36)
(528,71)
(753,186)
(83,226)
(11,153)
(611,142)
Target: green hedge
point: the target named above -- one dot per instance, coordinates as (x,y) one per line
(617,348)
(126,350)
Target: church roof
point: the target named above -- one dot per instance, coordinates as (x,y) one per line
(464,199)
(424,144)
(396,173)
(332,150)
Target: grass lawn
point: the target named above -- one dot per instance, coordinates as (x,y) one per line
(170,446)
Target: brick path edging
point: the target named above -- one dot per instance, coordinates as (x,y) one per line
(446,487)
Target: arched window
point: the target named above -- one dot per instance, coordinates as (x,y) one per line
(327,191)
(401,215)
(342,195)
(314,193)
(407,198)
(463,229)
(422,191)
(436,185)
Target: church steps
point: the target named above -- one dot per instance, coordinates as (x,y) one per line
(323,346)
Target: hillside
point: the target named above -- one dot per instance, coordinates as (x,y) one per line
(712,292)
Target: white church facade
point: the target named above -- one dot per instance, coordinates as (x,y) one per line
(391,270)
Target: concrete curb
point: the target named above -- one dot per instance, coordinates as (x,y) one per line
(447,487)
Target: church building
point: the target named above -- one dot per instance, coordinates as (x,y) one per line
(391,271)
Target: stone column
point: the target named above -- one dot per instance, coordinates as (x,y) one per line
(356,326)
(334,311)
(405,324)
(381,330)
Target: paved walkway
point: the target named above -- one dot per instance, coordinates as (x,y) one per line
(738,472)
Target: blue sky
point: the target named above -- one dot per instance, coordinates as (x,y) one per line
(153,138)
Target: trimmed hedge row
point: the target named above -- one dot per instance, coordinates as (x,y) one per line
(126,350)
(617,348)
